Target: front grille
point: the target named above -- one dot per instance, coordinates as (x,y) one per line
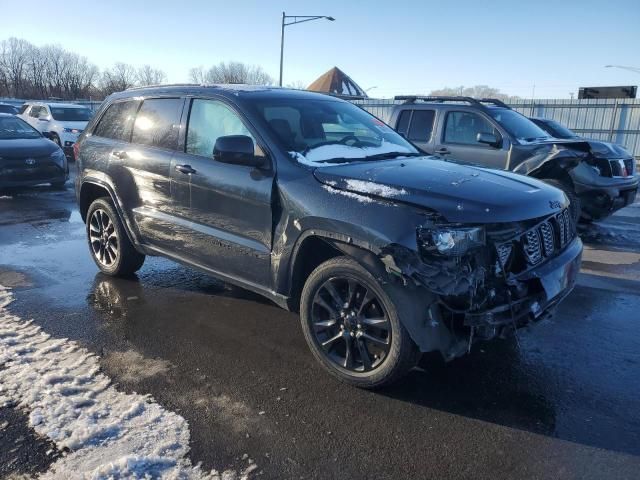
(538,243)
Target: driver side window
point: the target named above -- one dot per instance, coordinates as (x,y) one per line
(209,120)
(464,127)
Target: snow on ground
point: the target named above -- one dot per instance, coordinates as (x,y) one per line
(108,434)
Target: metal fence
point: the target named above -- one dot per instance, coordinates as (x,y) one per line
(610,120)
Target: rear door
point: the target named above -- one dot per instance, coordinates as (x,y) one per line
(229,224)
(458,139)
(416,125)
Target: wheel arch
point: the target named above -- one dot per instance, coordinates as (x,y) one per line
(315,248)
(92,189)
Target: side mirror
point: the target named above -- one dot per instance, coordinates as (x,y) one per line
(488,139)
(236,149)
(43,119)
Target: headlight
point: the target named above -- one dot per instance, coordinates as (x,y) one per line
(59,157)
(452,241)
(73,130)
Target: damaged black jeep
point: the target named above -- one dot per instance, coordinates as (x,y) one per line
(317,205)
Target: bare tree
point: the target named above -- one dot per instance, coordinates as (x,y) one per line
(119,77)
(196,75)
(478,91)
(297,85)
(14,54)
(150,76)
(232,72)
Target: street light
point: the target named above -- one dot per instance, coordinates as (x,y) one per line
(296,19)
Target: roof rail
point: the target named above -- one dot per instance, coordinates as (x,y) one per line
(438,98)
(164,85)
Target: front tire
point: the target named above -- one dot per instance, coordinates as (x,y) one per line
(352,326)
(110,247)
(56,139)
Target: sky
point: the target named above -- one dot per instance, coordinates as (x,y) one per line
(541,48)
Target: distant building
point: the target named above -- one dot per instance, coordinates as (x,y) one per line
(336,82)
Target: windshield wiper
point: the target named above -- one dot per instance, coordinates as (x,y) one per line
(383,156)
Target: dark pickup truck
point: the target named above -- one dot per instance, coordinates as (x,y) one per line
(597,180)
(324,209)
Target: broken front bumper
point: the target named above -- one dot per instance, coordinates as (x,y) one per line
(547,285)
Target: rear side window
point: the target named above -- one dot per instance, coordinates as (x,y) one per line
(464,127)
(158,123)
(421,125)
(117,121)
(23,108)
(403,122)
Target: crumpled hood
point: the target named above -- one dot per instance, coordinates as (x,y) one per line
(607,150)
(26,147)
(461,193)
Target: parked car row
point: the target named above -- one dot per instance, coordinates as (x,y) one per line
(598,178)
(307,199)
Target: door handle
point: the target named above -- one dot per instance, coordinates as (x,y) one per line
(442,151)
(119,154)
(186,169)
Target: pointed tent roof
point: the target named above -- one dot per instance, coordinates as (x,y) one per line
(336,82)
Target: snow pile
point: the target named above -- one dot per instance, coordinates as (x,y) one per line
(316,156)
(108,434)
(374,188)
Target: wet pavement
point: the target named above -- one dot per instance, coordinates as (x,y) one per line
(559,401)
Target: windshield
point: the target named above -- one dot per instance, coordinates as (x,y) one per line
(322,132)
(13,128)
(518,125)
(70,114)
(556,129)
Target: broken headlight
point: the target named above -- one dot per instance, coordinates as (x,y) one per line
(454,241)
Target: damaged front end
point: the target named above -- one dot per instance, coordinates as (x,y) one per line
(489,280)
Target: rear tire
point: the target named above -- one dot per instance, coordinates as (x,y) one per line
(366,316)
(109,245)
(575,207)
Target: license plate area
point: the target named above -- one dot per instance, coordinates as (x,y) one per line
(560,279)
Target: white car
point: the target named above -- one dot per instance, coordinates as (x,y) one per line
(60,122)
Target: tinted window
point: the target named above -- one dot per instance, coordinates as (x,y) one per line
(23,108)
(8,109)
(208,120)
(158,123)
(13,127)
(464,127)
(403,122)
(117,121)
(70,114)
(421,125)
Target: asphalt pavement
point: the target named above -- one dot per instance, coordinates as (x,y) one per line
(562,400)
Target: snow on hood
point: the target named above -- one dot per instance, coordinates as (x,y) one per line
(109,434)
(316,156)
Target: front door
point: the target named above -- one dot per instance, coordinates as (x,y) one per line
(459,140)
(230,217)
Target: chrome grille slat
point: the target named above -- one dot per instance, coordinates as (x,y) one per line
(540,242)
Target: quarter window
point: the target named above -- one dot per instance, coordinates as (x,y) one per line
(421,125)
(209,120)
(464,127)
(117,121)
(158,123)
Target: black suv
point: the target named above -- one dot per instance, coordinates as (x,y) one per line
(489,133)
(322,208)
